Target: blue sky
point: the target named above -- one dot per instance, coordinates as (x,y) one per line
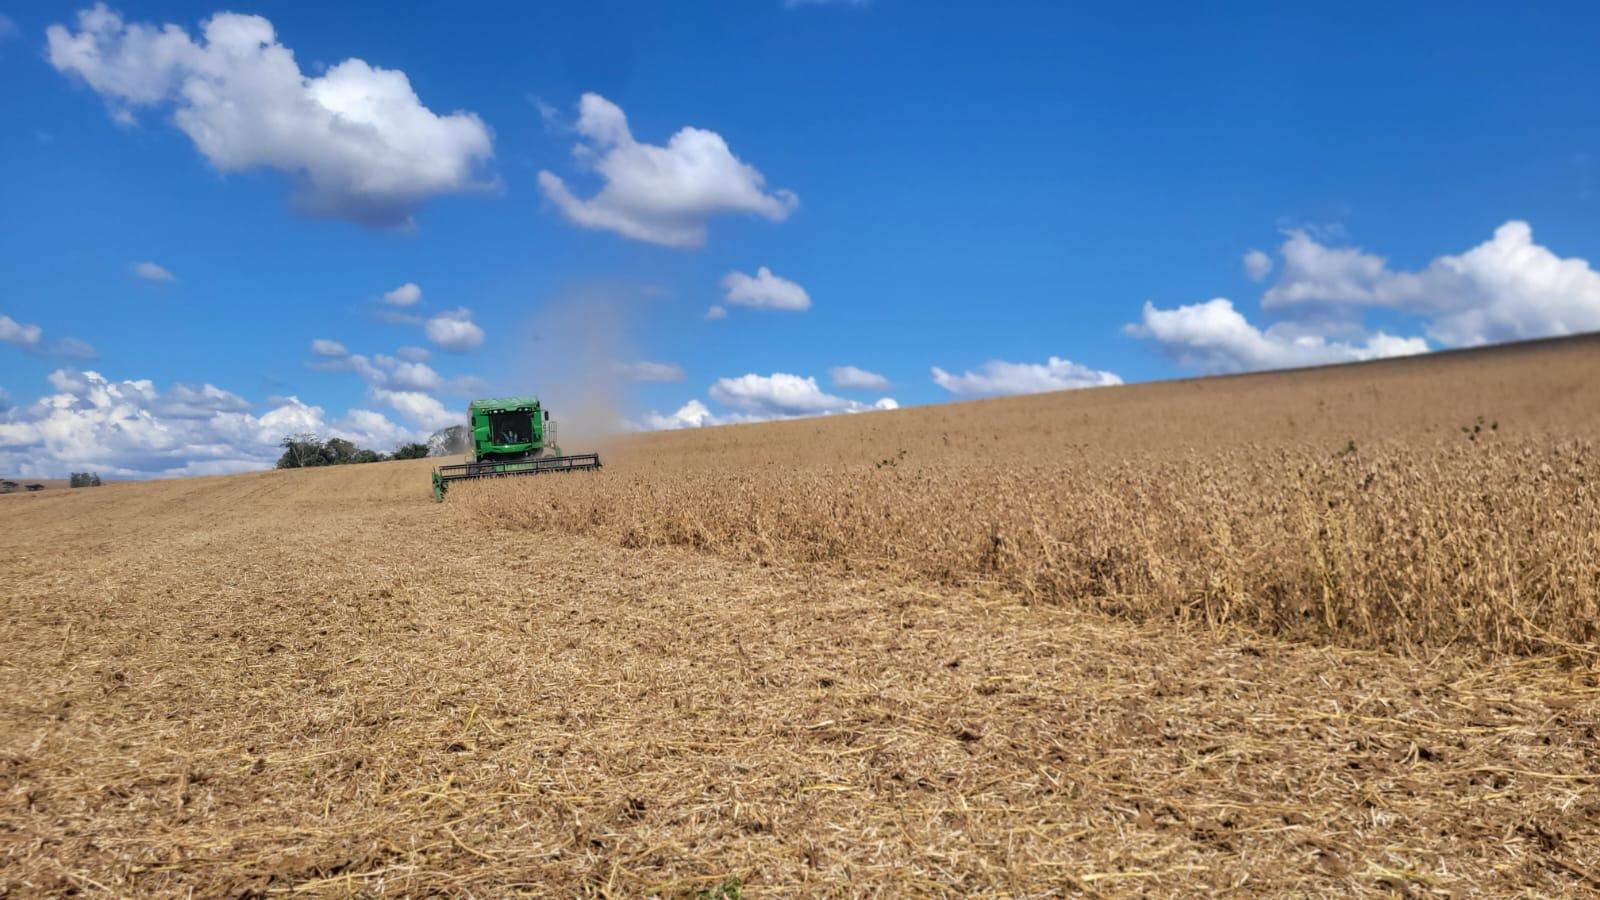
(962,199)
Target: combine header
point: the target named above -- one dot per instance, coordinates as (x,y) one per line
(511,436)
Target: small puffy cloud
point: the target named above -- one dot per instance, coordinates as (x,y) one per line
(1507,288)
(716,312)
(693,414)
(659,194)
(19,335)
(288,416)
(764,290)
(760,398)
(356,141)
(409,376)
(1316,273)
(454,330)
(1257,265)
(418,408)
(406,386)
(405,295)
(778,394)
(386,372)
(999,378)
(31,338)
(368,428)
(413,354)
(149,271)
(650,371)
(852,378)
(781,395)
(1213,337)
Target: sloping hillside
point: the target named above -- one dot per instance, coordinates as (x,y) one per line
(321,682)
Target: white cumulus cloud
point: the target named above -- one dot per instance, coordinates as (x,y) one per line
(693,414)
(1507,288)
(327,348)
(998,378)
(854,379)
(418,408)
(764,290)
(454,330)
(373,430)
(1214,337)
(410,376)
(659,194)
(716,312)
(129,429)
(781,395)
(1316,273)
(405,295)
(199,401)
(356,141)
(760,398)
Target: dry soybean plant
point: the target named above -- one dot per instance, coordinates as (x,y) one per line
(1489,544)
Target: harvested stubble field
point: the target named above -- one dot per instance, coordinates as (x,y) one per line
(1158,640)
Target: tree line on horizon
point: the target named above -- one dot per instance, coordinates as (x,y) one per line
(306,450)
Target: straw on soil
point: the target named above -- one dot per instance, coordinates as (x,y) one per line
(319,683)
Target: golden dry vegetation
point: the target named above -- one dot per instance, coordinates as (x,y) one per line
(1412,503)
(1161,640)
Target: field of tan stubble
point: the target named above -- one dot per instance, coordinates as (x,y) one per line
(321,682)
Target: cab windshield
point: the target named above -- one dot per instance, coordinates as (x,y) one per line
(511,427)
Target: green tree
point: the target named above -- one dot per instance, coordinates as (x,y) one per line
(302,451)
(410,451)
(339,451)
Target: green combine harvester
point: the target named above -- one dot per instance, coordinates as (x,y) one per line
(510,436)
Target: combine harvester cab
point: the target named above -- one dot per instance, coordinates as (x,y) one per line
(510,436)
